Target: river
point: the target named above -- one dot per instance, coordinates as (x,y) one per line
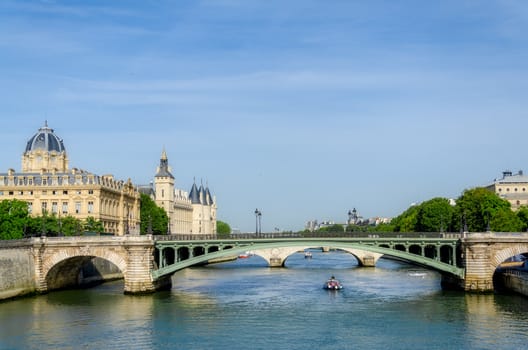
(246,305)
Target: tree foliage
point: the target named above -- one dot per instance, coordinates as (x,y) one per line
(222,229)
(479,209)
(332,228)
(434,215)
(13,219)
(154,219)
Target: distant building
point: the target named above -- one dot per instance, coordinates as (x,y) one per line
(48,186)
(191,212)
(512,187)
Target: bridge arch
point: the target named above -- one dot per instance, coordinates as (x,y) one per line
(60,268)
(502,255)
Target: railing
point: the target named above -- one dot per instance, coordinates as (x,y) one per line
(185,237)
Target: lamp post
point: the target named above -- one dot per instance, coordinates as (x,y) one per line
(260,223)
(256,221)
(258,226)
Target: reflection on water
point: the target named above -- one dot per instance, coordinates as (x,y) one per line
(244,304)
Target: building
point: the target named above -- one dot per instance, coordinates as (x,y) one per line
(512,187)
(49,187)
(191,212)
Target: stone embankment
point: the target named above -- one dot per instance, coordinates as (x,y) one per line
(17,270)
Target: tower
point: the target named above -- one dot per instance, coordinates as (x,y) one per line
(164,185)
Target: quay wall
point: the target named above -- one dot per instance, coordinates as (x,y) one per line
(516,281)
(17,270)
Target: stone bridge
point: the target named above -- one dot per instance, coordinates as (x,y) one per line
(147,262)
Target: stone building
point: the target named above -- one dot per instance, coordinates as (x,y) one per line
(191,212)
(48,186)
(512,187)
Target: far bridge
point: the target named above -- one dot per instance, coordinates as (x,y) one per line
(434,251)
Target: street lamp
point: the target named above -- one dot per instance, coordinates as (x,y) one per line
(256,221)
(258,226)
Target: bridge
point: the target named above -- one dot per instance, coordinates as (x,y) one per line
(42,264)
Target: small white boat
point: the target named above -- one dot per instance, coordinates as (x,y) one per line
(308,255)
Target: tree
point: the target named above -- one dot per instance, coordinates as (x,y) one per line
(522,214)
(480,209)
(154,220)
(434,215)
(332,228)
(222,229)
(92,225)
(70,226)
(13,219)
(406,221)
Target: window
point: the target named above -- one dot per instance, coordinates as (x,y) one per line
(65,192)
(54,207)
(31,181)
(77,207)
(30,207)
(90,191)
(44,206)
(65,207)
(162,193)
(90,207)
(44,181)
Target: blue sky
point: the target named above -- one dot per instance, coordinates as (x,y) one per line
(303,109)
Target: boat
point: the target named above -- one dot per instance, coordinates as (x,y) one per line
(333,284)
(308,255)
(246,255)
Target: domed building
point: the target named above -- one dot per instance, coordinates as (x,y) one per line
(49,187)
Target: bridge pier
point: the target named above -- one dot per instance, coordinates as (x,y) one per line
(140,264)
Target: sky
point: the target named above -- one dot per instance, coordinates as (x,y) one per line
(302,109)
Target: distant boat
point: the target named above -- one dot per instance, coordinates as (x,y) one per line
(333,284)
(246,255)
(308,255)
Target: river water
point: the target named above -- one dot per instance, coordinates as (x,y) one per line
(246,305)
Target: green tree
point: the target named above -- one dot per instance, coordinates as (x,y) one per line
(154,219)
(406,221)
(481,209)
(93,225)
(13,219)
(70,226)
(522,214)
(222,229)
(434,215)
(332,228)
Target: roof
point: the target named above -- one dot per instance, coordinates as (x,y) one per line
(163,170)
(45,139)
(509,178)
